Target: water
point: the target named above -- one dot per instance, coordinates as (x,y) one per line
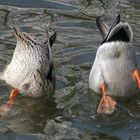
(71,114)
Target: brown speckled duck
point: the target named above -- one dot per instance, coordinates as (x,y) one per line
(31,70)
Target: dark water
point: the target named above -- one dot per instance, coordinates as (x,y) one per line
(71,114)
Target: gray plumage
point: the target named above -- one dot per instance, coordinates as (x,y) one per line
(115,61)
(103,28)
(31,68)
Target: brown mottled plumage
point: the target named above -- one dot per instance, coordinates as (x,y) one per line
(31,69)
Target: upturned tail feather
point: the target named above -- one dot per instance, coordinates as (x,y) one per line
(118,31)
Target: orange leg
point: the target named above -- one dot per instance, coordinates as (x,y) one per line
(107,104)
(137,76)
(14,93)
(5,107)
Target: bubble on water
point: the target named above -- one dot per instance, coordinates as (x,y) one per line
(135,127)
(23,119)
(98,126)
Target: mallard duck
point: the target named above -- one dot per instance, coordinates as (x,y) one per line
(114,71)
(31,70)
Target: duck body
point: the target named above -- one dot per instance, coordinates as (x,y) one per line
(31,68)
(115,63)
(114,71)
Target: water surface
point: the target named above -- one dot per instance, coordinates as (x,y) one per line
(71,113)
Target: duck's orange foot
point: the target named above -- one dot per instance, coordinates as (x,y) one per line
(9,105)
(14,93)
(137,76)
(107,105)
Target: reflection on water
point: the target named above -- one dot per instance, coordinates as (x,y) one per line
(72,112)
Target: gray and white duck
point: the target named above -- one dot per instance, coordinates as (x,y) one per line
(115,70)
(31,70)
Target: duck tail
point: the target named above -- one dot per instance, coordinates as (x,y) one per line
(119,31)
(51,39)
(103,28)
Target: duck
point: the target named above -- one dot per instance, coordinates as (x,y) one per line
(115,71)
(31,70)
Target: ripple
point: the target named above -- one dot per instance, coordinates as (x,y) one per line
(72,112)
(37,4)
